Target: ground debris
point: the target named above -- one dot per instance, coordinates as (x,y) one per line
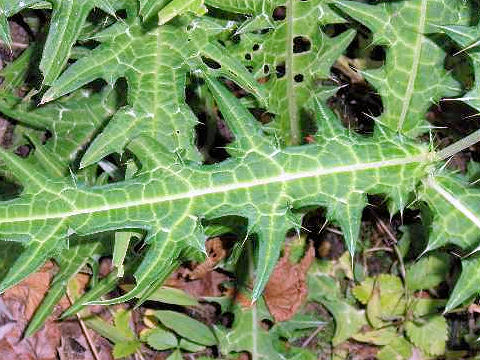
(287,287)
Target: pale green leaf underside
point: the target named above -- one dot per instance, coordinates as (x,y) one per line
(413,76)
(156,65)
(291,73)
(168,200)
(468,39)
(68,18)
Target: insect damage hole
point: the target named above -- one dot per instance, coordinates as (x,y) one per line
(301,44)
(280,70)
(298,78)
(212,64)
(279,13)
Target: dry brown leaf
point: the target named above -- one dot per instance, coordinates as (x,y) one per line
(359,351)
(207,286)
(287,288)
(21,302)
(203,280)
(474,309)
(216,252)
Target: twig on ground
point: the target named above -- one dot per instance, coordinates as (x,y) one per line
(16,45)
(92,347)
(312,336)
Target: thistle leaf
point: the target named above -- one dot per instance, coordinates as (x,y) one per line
(413,75)
(172,195)
(455,207)
(291,57)
(164,57)
(467,284)
(467,38)
(70,263)
(68,18)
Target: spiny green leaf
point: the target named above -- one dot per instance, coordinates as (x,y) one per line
(73,120)
(291,57)
(162,57)
(467,285)
(467,38)
(68,18)
(455,209)
(414,75)
(311,174)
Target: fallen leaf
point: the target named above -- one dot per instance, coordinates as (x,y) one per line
(216,252)
(203,280)
(287,287)
(21,302)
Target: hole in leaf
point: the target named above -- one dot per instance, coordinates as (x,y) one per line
(279,13)
(301,44)
(248,57)
(227,319)
(236,39)
(357,104)
(212,64)
(255,47)
(264,79)
(267,324)
(9,189)
(211,131)
(266,69)
(378,53)
(23,150)
(263,116)
(332,30)
(280,70)
(122,14)
(298,78)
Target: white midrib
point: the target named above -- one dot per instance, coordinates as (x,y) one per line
(282,178)
(416,63)
(457,204)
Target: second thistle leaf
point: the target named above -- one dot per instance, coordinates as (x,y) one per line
(291,57)
(414,75)
(155,64)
